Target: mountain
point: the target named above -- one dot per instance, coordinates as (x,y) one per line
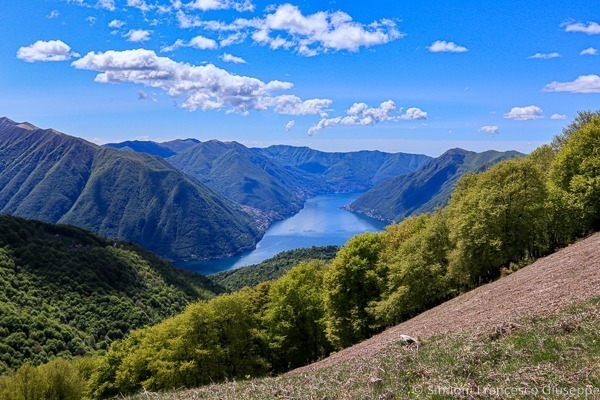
(139,146)
(345,172)
(53,177)
(426,188)
(65,291)
(163,150)
(247,177)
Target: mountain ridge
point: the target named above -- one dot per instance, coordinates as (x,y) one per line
(54,177)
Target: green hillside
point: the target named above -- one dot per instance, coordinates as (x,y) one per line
(54,177)
(66,292)
(246,177)
(428,187)
(346,172)
(273,268)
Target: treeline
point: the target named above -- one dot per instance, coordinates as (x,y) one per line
(495,222)
(272,268)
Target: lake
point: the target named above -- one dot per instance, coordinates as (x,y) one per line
(320,223)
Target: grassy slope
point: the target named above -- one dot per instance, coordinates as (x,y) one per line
(428,187)
(273,268)
(535,329)
(65,291)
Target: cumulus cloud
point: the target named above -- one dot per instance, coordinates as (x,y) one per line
(414,113)
(583,84)
(229,58)
(290,125)
(545,56)
(138,35)
(198,42)
(206,5)
(525,113)
(52,50)
(590,28)
(116,24)
(362,114)
(590,51)
(204,87)
(491,130)
(558,116)
(286,27)
(441,46)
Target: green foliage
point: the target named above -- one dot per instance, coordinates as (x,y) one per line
(66,292)
(495,218)
(272,268)
(294,317)
(350,284)
(415,262)
(211,341)
(57,380)
(575,173)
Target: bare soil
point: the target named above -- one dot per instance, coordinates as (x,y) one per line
(567,277)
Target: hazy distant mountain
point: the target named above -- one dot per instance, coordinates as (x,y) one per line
(54,177)
(346,172)
(164,150)
(247,177)
(426,188)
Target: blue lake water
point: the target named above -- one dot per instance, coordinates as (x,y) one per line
(320,223)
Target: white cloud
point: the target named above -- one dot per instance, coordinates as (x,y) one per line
(545,56)
(558,116)
(204,87)
(591,28)
(441,46)
(286,27)
(138,35)
(491,130)
(583,84)
(52,50)
(198,42)
(203,43)
(590,51)
(142,95)
(53,14)
(290,125)
(206,5)
(107,4)
(229,58)
(414,113)
(91,19)
(116,24)
(525,113)
(362,114)
(235,38)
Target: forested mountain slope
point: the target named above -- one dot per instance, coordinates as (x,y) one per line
(346,172)
(428,187)
(66,292)
(53,177)
(247,177)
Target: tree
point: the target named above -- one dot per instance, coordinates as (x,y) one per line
(294,317)
(495,218)
(350,284)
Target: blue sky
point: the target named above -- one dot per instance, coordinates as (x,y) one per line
(397,76)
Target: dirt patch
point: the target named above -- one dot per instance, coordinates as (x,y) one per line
(567,277)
